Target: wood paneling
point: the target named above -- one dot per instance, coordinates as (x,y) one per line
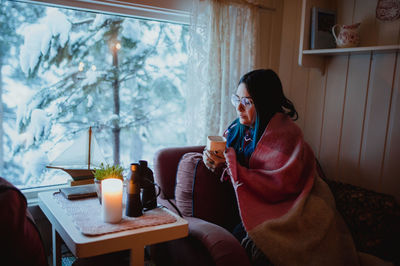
(353,117)
(296,83)
(364,13)
(265,48)
(300,87)
(388,32)
(344,12)
(289,33)
(351,113)
(335,91)
(276,34)
(314,111)
(376,119)
(390,175)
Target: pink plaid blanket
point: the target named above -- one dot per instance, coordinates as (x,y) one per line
(287,210)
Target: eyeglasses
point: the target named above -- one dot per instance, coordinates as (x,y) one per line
(247,102)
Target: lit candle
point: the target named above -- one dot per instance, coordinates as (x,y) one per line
(111,193)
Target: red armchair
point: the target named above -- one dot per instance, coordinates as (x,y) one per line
(21,243)
(207,243)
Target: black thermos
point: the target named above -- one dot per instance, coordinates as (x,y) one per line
(133,202)
(149,198)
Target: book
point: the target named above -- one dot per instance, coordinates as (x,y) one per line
(73,183)
(322,21)
(79,192)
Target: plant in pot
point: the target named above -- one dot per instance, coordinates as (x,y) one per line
(104,172)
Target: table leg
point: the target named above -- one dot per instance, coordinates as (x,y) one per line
(56,247)
(137,256)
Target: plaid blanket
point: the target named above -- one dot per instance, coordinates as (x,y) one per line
(286,209)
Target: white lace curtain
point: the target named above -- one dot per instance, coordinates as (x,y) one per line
(222,47)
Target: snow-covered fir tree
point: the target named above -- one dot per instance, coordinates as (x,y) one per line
(122,76)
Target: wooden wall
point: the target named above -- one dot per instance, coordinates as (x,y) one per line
(270,35)
(350,115)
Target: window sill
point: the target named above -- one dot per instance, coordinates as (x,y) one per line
(31,194)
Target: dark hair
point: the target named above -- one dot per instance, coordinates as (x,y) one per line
(265,88)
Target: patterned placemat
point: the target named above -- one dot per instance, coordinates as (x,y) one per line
(86,215)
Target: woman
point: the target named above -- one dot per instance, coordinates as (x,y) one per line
(250,124)
(288,213)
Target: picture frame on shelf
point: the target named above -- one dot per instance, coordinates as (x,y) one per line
(322,21)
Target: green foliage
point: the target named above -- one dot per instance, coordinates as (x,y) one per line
(107,171)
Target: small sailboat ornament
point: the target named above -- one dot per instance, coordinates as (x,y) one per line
(79,158)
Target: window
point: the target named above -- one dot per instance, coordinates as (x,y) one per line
(64,71)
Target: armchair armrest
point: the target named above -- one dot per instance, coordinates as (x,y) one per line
(223,247)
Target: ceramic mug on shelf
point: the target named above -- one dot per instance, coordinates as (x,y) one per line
(346,35)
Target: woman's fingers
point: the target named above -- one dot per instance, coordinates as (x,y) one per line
(212,159)
(219,154)
(209,163)
(214,155)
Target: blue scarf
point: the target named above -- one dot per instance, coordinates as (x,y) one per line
(244,147)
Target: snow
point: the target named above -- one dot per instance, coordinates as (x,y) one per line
(35,162)
(91,78)
(131,29)
(21,102)
(53,109)
(99,20)
(113,117)
(90,101)
(150,37)
(40,124)
(98,36)
(22,140)
(31,50)
(37,38)
(58,24)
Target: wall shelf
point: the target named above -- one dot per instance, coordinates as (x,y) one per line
(354,50)
(316,58)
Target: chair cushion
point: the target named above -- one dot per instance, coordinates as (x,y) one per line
(200,193)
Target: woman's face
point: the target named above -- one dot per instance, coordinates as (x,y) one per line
(247,114)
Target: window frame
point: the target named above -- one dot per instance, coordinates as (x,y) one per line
(175,11)
(31,194)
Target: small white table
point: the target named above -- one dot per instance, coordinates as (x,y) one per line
(83,246)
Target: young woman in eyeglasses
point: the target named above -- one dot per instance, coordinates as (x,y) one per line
(288,214)
(257,90)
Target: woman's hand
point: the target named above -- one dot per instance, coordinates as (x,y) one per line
(213,159)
